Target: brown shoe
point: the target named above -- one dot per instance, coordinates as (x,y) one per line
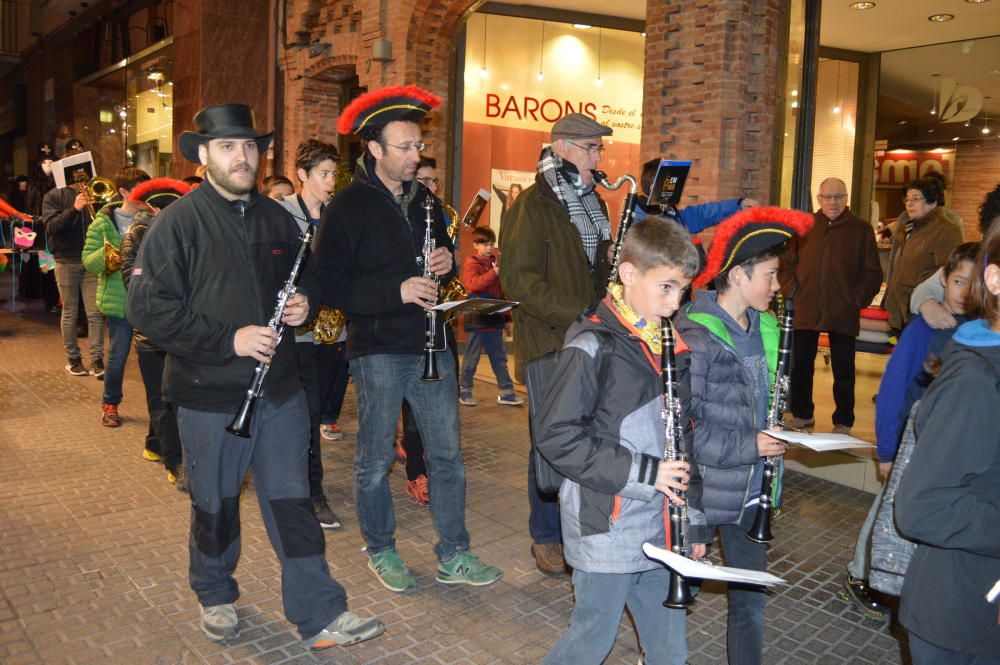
(549,558)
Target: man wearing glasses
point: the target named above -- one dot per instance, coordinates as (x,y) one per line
(831,273)
(369,262)
(554,239)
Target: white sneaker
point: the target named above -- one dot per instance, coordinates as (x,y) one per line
(510,400)
(467,401)
(219,622)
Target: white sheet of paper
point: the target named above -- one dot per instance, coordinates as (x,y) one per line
(820,442)
(59,167)
(445,306)
(706,571)
(994,593)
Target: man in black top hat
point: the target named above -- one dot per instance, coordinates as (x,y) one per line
(203,289)
(369,251)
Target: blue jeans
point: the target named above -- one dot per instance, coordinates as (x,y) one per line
(381,383)
(119,343)
(490,341)
(925,653)
(543,511)
(600,599)
(71,278)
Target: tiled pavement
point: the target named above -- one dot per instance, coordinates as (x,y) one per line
(93,548)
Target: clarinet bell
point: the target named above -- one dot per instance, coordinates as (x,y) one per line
(430,367)
(679,594)
(760,531)
(241,421)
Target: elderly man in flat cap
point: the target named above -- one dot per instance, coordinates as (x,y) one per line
(203,289)
(554,240)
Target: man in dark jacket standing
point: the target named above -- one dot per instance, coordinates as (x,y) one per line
(203,290)
(831,274)
(554,240)
(371,266)
(66,221)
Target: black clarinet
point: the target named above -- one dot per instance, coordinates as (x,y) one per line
(624,221)
(430,316)
(679,592)
(760,531)
(241,422)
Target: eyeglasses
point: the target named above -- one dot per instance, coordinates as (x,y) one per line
(407,147)
(832,197)
(590,149)
(428,182)
(914,199)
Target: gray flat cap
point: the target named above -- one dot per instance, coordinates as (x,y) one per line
(578,126)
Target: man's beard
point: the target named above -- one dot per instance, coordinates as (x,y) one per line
(225,179)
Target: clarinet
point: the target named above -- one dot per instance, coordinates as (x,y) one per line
(679,592)
(626,219)
(760,531)
(430,316)
(240,426)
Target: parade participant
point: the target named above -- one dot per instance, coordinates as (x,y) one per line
(734,350)
(554,240)
(602,426)
(370,258)
(316,168)
(102,257)
(203,289)
(66,220)
(163,442)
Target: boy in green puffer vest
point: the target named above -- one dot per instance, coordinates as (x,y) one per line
(102,256)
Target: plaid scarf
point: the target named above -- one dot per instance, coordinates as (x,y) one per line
(580,201)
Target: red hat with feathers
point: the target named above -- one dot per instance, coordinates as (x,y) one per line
(748,233)
(373,110)
(159,192)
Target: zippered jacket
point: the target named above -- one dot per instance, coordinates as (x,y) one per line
(110,288)
(206,268)
(365,249)
(723,409)
(601,426)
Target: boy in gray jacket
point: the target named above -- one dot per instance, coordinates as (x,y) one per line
(600,426)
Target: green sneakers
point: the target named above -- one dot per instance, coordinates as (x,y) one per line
(392,572)
(466,568)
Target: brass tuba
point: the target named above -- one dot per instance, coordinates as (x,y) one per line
(100,191)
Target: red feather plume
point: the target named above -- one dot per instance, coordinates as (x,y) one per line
(370,99)
(144,188)
(797,221)
(7,210)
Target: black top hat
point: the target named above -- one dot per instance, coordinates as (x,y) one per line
(221,121)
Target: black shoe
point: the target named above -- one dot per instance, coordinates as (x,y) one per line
(858,594)
(178,478)
(327,518)
(97,370)
(76,368)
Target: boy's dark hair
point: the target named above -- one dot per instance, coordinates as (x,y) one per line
(967,251)
(989,211)
(656,241)
(483,234)
(427,162)
(722,280)
(310,153)
(984,304)
(648,173)
(929,187)
(129,176)
(272,181)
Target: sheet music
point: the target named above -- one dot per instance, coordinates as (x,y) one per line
(482,305)
(819,442)
(706,571)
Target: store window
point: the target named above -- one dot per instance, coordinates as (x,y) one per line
(789,97)
(124,114)
(522,75)
(835,129)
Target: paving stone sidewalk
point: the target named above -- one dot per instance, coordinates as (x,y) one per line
(93,548)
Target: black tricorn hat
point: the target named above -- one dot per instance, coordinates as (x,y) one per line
(221,121)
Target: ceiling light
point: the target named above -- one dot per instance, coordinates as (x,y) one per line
(954,138)
(582,26)
(795,93)
(836,109)
(902,122)
(940,18)
(795,105)
(644,34)
(540,76)
(861,6)
(976,2)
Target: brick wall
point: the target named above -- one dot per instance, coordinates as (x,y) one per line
(710,85)
(977,172)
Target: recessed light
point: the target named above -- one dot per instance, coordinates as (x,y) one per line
(902,122)
(954,138)
(861,6)
(976,2)
(582,26)
(940,18)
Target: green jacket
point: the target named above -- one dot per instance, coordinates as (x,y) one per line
(544,267)
(110,287)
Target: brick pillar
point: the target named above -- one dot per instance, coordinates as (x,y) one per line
(220,56)
(709,91)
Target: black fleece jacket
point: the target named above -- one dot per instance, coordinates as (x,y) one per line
(206,268)
(65,226)
(365,249)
